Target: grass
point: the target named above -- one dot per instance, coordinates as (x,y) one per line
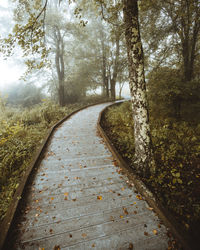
(22,132)
(177,154)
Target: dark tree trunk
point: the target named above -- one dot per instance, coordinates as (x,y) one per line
(144,162)
(59,61)
(112,89)
(115,69)
(104,66)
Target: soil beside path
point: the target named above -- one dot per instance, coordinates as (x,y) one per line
(79,199)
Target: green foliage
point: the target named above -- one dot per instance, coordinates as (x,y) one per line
(118,123)
(21,133)
(169,96)
(177,154)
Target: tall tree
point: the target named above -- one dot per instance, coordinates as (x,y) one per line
(178,20)
(143,145)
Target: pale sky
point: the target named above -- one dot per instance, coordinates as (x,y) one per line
(12,68)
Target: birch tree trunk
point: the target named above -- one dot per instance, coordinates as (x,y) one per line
(144,161)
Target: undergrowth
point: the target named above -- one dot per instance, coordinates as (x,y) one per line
(177,154)
(21,133)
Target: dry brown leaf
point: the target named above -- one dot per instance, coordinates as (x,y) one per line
(146,234)
(84,235)
(57,248)
(125,211)
(130,246)
(93,245)
(99,197)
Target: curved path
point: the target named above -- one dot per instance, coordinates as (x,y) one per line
(79,199)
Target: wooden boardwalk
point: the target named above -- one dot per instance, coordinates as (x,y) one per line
(79,199)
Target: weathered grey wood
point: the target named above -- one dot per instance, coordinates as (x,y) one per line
(79,199)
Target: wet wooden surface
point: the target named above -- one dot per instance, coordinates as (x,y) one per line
(80,200)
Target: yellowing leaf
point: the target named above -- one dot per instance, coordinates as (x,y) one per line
(155,232)
(66,193)
(121,216)
(122,189)
(139,197)
(99,197)
(52,198)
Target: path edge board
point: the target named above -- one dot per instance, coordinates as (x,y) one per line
(7,221)
(168,220)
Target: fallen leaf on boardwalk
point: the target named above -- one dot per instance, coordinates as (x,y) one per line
(66,198)
(159,226)
(52,198)
(84,235)
(99,197)
(93,245)
(130,246)
(111,218)
(115,163)
(74,199)
(57,248)
(125,210)
(70,235)
(155,232)
(134,203)
(36,215)
(121,216)
(66,194)
(139,197)
(122,189)
(41,248)
(66,177)
(51,231)
(36,201)
(135,212)
(118,194)
(150,208)
(146,234)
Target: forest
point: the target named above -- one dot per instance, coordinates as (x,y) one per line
(84,52)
